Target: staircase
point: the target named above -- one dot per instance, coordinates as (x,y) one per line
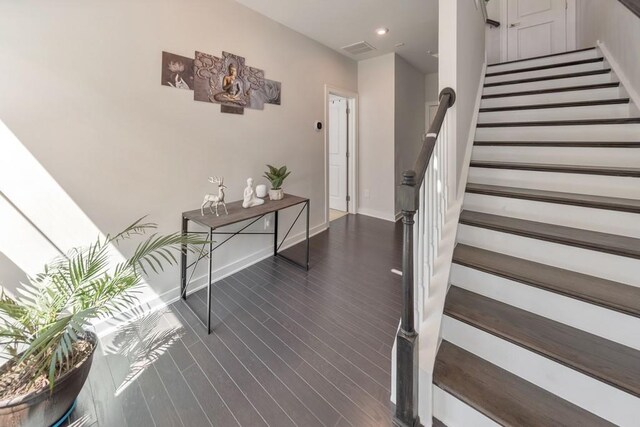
(541,322)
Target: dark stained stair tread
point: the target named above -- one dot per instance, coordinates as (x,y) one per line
(591,170)
(604,360)
(578,122)
(553,77)
(437,423)
(613,101)
(553,90)
(602,144)
(605,293)
(546,66)
(502,396)
(540,57)
(585,200)
(593,240)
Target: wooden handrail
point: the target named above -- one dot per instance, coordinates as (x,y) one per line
(407,339)
(633,6)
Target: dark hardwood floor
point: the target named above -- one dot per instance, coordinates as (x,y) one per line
(289,347)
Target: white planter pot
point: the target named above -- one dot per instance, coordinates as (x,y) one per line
(276,194)
(261,190)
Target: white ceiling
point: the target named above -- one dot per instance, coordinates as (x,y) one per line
(337,23)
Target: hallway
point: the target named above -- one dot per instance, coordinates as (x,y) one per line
(288,347)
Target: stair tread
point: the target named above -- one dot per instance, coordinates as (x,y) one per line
(604,360)
(586,200)
(546,67)
(613,101)
(592,170)
(616,144)
(577,122)
(540,57)
(502,396)
(553,90)
(586,239)
(605,293)
(437,423)
(553,77)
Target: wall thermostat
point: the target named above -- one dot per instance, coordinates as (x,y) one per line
(318,126)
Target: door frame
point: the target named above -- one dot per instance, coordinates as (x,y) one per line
(352,175)
(570,27)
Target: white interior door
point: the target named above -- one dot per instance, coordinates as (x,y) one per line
(338,144)
(536,28)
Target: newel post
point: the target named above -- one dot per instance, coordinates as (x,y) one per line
(407,339)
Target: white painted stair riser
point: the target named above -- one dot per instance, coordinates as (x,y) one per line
(583,156)
(604,400)
(603,111)
(612,132)
(599,264)
(554,97)
(604,221)
(606,323)
(590,66)
(598,185)
(558,59)
(455,413)
(550,84)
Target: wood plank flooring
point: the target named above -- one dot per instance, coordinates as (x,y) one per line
(288,347)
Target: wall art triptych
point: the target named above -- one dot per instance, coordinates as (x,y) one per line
(227,81)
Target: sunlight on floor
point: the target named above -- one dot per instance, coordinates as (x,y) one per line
(335,214)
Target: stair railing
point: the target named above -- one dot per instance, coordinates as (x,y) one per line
(424,191)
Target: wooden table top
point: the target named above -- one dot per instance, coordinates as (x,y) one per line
(238,214)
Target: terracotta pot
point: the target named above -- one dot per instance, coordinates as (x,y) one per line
(42,408)
(276,194)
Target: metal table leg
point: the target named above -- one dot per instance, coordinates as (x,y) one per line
(183,261)
(209,280)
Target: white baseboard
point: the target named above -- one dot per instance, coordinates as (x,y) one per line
(105,327)
(376,214)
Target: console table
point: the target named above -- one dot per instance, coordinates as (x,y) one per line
(236,215)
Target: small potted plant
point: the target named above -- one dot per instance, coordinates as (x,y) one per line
(276,177)
(45,331)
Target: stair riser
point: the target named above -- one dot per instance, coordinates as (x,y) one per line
(592,66)
(612,222)
(548,84)
(583,156)
(611,186)
(603,400)
(455,413)
(600,321)
(599,264)
(548,98)
(611,111)
(617,132)
(559,59)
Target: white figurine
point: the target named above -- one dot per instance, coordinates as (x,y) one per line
(213,199)
(250,198)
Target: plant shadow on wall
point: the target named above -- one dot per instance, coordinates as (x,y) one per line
(46,331)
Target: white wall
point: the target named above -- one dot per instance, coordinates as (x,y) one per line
(493,35)
(610,22)
(462,56)
(81,92)
(376,167)
(431,87)
(409,117)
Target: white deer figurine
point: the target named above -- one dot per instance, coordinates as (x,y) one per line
(215,199)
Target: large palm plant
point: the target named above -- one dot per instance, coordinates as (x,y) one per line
(39,328)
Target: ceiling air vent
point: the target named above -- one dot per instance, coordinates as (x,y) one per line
(359,48)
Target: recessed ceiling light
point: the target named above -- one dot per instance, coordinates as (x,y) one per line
(382,31)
